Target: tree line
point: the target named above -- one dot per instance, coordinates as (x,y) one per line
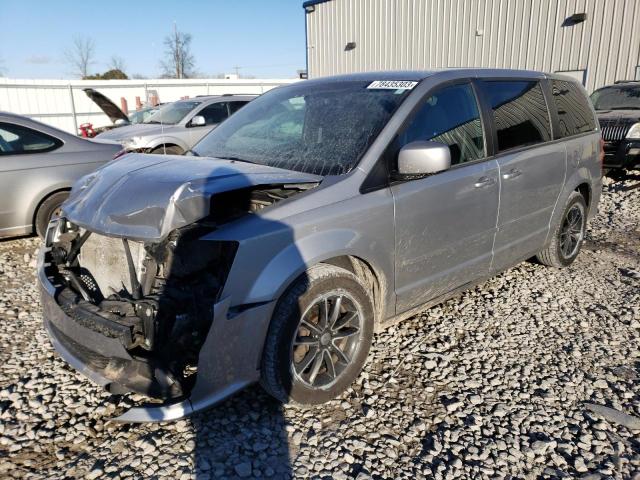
(178,61)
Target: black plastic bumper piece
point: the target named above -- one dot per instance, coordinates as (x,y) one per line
(622,154)
(103,353)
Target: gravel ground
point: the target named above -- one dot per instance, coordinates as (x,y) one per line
(506,381)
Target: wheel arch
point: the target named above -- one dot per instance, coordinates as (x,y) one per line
(167,142)
(43,197)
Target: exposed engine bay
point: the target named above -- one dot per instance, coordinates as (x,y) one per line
(153,299)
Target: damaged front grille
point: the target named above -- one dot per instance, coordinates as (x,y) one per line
(156,299)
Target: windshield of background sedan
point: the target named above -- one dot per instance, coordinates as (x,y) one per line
(617,98)
(322,129)
(172,113)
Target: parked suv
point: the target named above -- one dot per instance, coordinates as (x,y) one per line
(320,212)
(177,126)
(618,110)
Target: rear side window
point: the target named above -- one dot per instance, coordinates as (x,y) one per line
(449,115)
(574,114)
(519,111)
(16,140)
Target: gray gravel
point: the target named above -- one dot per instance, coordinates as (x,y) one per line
(533,374)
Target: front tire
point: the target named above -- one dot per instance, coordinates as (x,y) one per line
(568,236)
(49,209)
(319,337)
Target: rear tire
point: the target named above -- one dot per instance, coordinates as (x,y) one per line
(568,235)
(49,208)
(169,150)
(324,321)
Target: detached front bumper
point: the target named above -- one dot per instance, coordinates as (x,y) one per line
(228,361)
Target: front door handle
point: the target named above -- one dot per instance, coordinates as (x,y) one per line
(484,182)
(513,173)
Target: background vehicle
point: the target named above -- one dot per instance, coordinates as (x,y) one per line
(38,166)
(178,126)
(115,114)
(318,213)
(618,110)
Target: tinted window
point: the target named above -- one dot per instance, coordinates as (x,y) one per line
(450,116)
(519,111)
(314,127)
(574,114)
(15,139)
(623,97)
(235,106)
(214,113)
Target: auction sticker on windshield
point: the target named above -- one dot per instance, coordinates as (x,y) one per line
(392,85)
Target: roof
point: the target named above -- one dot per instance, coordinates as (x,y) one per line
(419,75)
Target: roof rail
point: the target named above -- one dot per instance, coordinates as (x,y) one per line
(626,81)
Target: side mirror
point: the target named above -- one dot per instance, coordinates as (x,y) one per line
(120,121)
(197,121)
(423,158)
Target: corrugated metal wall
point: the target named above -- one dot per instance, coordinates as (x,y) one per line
(525,34)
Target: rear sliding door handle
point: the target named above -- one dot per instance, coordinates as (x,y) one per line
(513,173)
(484,182)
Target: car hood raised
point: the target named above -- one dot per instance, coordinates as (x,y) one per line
(145,197)
(110,109)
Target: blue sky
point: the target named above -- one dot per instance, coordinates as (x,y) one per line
(265,38)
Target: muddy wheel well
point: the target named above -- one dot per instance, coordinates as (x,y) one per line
(367,275)
(42,200)
(585,191)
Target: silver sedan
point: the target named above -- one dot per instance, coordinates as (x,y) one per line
(38,166)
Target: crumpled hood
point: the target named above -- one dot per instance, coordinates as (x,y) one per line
(137,130)
(145,197)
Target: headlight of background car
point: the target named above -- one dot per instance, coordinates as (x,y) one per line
(130,142)
(634,131)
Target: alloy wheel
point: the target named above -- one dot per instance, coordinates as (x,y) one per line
(327,339)
(572,231)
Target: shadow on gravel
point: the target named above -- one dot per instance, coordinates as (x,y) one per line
(244,437)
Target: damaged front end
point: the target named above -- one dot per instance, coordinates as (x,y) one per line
(151,302)
(136,314)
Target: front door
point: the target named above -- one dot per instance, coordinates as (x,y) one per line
(445,223)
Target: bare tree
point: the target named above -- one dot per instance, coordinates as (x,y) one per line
(117,63)
(81,55)
(179,62)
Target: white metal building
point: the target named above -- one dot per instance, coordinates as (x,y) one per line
(596,41)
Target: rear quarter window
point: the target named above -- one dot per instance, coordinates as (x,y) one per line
(520,112)
(16,140)
(574,113)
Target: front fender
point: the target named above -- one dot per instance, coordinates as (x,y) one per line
(292,261)
(156,142)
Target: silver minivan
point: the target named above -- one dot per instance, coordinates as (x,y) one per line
(319,213)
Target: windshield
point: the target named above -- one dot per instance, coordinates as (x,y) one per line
(617,98)
(322,129)
(172,113)
(140,116)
